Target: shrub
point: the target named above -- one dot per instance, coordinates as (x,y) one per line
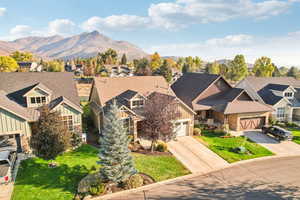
(161,147)
(197,132)
(291,125)
(96,190)
(135,181)
(272,121)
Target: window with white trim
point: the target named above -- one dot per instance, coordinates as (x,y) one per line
(37,100)
(280,113)
(137,103)
(288,95)
(68,122)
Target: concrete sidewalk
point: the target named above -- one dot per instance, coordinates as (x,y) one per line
(195,156)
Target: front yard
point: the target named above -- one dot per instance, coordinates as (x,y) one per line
(36,181)
(224,147)
(296,134)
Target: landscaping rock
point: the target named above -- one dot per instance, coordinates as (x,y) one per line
(85,184)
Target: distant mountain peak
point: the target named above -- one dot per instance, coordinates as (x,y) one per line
(83,45)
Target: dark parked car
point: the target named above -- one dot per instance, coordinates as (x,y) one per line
(279,133)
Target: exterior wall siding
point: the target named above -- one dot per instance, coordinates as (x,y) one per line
(12,124)
(66,110)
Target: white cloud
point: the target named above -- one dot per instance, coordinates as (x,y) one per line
(61,27)
(182,13)
(2,11)
(283,50)
(115,22)
(21,30)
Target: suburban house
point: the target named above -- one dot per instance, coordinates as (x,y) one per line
(216,102)
(130,93)
(118,70)
(21,95)
(282,93)
(30,67)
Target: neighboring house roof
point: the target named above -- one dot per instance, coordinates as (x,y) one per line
(258,83)
(265,87)
(109,88)
(17,84)
(241,107)
(190,85)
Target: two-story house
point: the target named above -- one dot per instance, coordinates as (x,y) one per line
(130,94)
(21,95)
(216,102)
(282,93)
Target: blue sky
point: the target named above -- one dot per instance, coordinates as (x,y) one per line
(211,29)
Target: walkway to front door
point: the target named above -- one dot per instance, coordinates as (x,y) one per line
(195,156)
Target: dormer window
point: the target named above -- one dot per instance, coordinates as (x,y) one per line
(137,103)
(288,95)
(38,100)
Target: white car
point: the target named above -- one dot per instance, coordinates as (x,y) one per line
(7,163)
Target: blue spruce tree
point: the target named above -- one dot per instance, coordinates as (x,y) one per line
(115,159)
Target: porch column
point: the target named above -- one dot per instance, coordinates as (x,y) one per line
(290,115)
(135,130)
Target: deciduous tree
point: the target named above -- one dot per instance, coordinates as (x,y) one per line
(238,68)
(160,111)
(8,64)
(22,56)
(263,67)
(155,62)
(50,136)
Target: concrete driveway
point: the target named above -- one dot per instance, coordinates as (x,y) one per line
(269,179)
(284,148)
(195,156)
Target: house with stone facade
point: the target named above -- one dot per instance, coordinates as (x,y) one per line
(23,93)
(216,102)
(130,94)
(282,93)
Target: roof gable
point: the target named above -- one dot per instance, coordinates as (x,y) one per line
(190,85)
(110,88)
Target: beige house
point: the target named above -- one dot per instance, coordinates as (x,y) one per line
(216,102)
(21,95)
(282,93)
(131,94)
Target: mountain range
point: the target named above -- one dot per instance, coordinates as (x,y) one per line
(83,45)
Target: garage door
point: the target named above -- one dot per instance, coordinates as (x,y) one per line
(181,129)
(252,123)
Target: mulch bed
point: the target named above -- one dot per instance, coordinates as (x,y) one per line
(155,153)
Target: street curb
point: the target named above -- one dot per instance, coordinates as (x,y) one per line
(147,187)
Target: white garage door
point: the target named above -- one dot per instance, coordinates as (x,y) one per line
(181,128)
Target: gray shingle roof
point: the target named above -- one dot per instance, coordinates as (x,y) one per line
(191,85)
(16,84)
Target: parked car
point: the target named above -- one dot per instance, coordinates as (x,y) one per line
(279,133)
(7,164)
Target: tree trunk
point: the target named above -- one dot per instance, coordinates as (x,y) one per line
(153,145)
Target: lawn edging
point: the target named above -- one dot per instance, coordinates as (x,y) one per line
(148,187)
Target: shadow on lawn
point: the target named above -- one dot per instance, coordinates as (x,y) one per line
(39,175)
(241,191)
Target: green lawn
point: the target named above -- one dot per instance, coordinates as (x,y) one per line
(296,134)
(35,181)
(224,147)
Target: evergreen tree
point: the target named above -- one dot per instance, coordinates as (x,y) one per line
(115,159)
(238,68)
(293,72)
(124,59)
(165,71)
